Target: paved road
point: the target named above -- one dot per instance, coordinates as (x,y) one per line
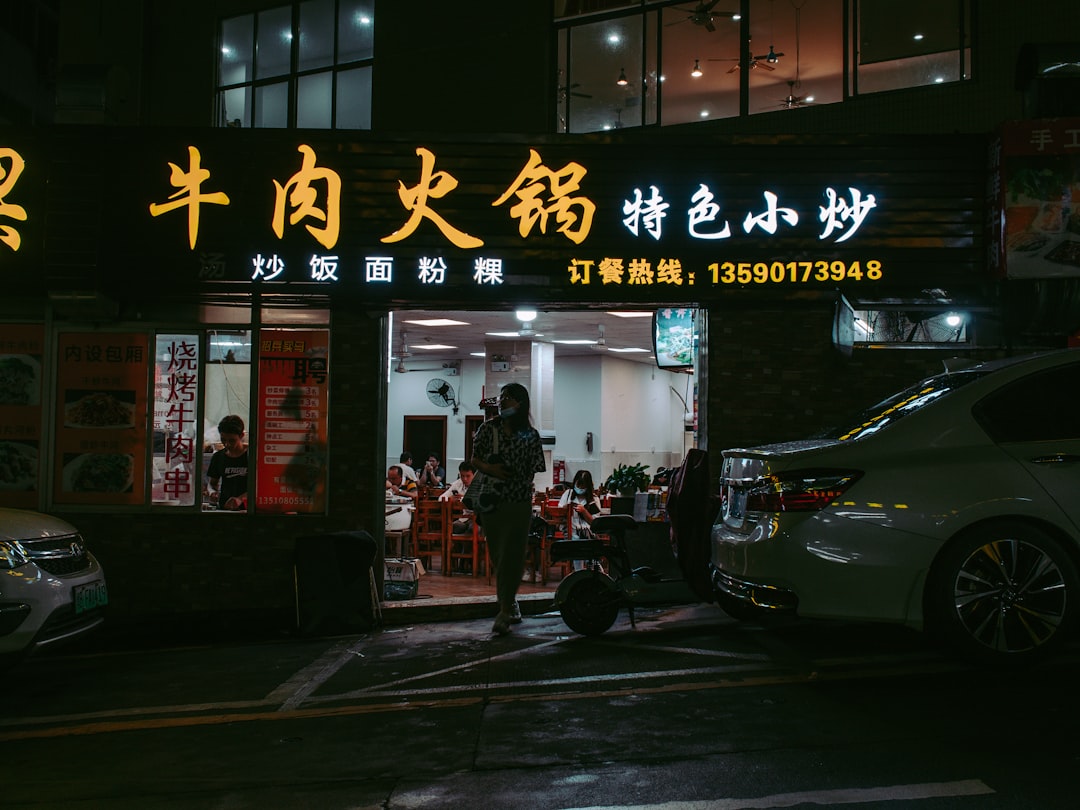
(687,710)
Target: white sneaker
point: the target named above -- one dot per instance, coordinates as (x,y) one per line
(515,614)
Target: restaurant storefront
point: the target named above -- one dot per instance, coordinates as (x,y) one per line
(157,279)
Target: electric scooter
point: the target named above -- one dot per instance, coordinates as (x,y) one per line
(638,574)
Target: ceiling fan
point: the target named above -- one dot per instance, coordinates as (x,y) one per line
(793,100)
(766,61)
(703,15)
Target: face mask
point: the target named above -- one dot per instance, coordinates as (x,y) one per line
(579,490)
(507,411)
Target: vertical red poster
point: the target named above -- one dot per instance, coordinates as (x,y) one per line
(293,383)
(101,418)
(21,355)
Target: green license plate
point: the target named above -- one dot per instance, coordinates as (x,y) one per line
(90,596)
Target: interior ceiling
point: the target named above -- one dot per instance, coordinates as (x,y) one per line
(619,333)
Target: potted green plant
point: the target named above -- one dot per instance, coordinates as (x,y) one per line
(624,481)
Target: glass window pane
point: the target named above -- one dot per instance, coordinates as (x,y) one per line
(356,24)
(807,42)
(354,99)
(316,34)
(234,107)
(237,43)
(924,46)
(686,44)
(176,437)
(272,105)
(274,46)
(313,95)
(600,53)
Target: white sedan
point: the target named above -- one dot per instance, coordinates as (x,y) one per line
(51,587)
(952,506)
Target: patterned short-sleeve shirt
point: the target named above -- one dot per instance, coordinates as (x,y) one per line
(521,451)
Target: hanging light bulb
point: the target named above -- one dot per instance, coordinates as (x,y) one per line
(696,72)
(622,81)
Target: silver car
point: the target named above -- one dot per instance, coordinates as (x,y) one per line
(953,506)
(51,587)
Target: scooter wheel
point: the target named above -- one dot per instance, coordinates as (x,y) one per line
(591,606)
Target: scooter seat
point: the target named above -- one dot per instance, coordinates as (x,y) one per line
(648,574)
(585,549)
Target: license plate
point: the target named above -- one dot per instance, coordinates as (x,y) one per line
(90,596)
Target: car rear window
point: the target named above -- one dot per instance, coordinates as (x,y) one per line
(891,410)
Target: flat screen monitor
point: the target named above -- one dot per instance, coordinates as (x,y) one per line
(675,338)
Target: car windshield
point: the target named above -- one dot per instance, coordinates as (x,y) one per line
(891,410)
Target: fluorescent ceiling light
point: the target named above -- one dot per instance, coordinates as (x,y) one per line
(628,314)
(575,342)
(628,350)
(477,354)
(439,322)
(430,346)
(503,334)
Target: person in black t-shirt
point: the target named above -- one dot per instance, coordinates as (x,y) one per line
(228,471)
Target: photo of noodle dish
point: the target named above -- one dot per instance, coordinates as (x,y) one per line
(19,379)
(99,472)
(99,409)
(18,466)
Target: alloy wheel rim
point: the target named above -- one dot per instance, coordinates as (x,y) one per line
(1010,596)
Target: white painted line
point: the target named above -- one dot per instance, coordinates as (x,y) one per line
(295,690)
(893,793)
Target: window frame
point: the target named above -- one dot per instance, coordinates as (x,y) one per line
(254,87)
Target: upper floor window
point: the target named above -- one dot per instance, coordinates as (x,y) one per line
(625,63)
(307,65)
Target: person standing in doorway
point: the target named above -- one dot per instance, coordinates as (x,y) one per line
(508,448)
(228,472)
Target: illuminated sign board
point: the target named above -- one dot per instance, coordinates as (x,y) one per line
(1034,210)
(567,219)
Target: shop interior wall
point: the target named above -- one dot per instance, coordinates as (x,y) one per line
(628,407)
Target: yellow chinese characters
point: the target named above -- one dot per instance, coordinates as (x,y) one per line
(639,272)
(188,193)
(433,185)
(302,197)
(8,177)
(574,214)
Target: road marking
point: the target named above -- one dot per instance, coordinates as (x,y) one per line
(893,793)
(404,703)
(294,691)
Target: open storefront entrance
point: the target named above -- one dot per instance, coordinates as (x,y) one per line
(599,396)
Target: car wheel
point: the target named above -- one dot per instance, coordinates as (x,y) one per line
(1004,591)
(591,606)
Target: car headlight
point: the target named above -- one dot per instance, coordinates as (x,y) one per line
(12,554)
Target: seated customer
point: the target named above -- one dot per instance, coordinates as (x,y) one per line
(584,505)
(398,484)
(433,473)
(457,489)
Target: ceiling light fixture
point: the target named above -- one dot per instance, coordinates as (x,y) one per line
(525,315)
(622,81)
(696,72)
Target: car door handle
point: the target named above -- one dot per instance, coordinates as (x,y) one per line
(1056,458)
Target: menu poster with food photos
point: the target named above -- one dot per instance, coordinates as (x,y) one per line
(21,354)
(291,456)
(101,418)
